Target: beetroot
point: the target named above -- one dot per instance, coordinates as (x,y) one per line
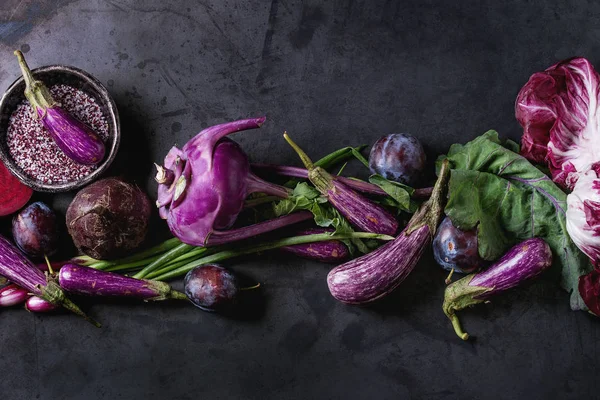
(13,194)
(108,218)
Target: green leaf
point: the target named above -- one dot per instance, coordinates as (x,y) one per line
(399,192)
(510,200)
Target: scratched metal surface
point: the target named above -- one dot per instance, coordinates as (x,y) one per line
(331,73)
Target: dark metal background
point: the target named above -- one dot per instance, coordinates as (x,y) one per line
(332,74)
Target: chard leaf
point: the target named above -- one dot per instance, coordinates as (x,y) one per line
(397,191)
(306,197)
(510,200)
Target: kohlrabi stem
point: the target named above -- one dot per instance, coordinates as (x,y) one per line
(257,185)
(172,272)
(303,156)
(257,201)
(233,235)
(35,91)
(164,176)
(165,258)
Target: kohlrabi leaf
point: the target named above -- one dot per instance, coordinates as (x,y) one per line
(509,200)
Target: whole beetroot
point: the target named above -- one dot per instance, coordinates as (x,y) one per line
(108,218)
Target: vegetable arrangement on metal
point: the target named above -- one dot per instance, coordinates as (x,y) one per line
(205,188)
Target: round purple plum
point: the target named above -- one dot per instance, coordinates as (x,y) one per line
(36,230)
(211,287)
(455,249)
(399,157)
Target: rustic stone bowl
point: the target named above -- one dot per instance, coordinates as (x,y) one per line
(77,78)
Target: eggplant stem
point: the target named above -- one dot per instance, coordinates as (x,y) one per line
(50,270)
(35,91)
(457,327)
(303,156)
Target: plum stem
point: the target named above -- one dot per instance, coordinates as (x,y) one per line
(448,279)
(251,287)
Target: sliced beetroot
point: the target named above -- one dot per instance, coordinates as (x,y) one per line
(13,194)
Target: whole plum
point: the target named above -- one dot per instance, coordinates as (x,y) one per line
(211,287)
(455,249)
(36,230)
(399,157)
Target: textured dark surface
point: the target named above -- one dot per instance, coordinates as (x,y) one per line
(332,74)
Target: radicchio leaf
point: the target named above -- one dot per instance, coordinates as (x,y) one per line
(557,109)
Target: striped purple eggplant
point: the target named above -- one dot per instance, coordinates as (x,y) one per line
(19,270)
(77,140)
(523,262)
(11,295)
(332,251)
(376,274)
(360,211)
(92,282)
(38,305)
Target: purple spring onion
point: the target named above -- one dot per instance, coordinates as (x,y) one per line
(19,270)
(92,282)
(38,305)
(77,140)
(202,188)
(11,295)
(360,211)
(332,251)
(523,262)
(378,273)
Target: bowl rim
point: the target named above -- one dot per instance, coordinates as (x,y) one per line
(113,115)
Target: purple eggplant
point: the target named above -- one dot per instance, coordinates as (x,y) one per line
(77,140)
(360,211)
(92,282)
(38,305)
(523,262)
(11,295)
(333,251)
(376,274)
(19,270)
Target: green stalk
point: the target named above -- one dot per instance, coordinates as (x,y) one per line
(174,272)
(142,255)
(163,259)
(338,156)
(257,201)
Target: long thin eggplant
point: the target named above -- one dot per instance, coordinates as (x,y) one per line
(92,282)
(360,211)
(331,251)
(376,274)
(19,270)
(523,262)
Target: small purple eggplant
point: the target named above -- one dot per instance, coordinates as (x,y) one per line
(12,295)
(378,273)
(360,211)
(523,262)
(333,251)
(38,305)
(92,282)
(77,140)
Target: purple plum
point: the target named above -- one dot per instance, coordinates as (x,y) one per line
(455,249)
(398,157)
(36,230)
(211,287)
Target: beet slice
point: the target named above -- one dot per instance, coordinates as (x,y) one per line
(13,194)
